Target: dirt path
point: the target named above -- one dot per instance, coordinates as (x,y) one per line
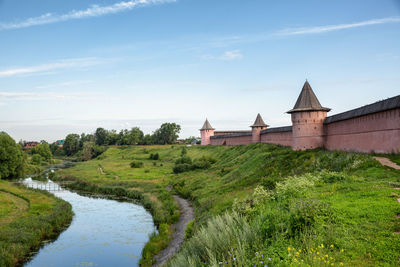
(187,215)
(21,205)
(387,162)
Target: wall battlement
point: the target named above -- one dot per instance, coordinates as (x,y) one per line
(371,128)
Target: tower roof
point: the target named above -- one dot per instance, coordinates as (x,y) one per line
(259,122)
(206,126)
(307,101)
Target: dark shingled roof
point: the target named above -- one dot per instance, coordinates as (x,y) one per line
(390,103)
(307,101)
(277,130)
(259,122)
(206,126)
(232,135)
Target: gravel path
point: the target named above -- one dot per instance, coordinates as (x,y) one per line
(187,215)
(387,162)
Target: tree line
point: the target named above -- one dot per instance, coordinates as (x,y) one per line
(88,146)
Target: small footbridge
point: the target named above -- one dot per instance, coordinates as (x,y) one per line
(48,186)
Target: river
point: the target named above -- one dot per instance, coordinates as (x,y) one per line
(103,232)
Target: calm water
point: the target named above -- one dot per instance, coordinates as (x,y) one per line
(103,233)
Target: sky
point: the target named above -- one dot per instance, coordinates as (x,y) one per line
(72,66)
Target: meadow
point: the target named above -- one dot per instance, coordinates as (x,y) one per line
(258,204)
(27,217)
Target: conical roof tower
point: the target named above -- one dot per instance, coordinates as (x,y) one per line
(259,122)
(206,126)
(307,101)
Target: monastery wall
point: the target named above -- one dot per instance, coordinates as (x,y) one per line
(375,132)
(232,139)
(278,136)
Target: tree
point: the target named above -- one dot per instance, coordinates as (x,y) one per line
(43,150)
(147,140)
(100,136)
(71,144)
(134,136)
(11,158)
(167,133)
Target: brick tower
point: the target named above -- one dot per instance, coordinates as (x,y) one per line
(256,129)
(206,132)
(307,119)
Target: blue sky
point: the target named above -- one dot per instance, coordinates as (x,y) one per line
(73,66)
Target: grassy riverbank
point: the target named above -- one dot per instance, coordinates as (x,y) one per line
(27,217)
(292,207)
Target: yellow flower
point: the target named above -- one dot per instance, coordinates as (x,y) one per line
(326,255)
(317,252)
(331,246)
(341,264)
(332,264)
(322,245)
(288,248)
(299,250)
(342,250)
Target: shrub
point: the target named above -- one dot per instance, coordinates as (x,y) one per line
(184,160)
(155,156)
(36,159)
(146,171)
(182,167)
(294,187)
(332,177)
(154,163)
(136,164)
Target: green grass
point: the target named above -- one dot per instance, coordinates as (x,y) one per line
(27,217)
(314,197)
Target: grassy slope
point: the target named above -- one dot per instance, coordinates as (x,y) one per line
(26,218)
(363,203)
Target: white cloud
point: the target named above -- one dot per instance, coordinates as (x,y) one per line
(232,55)
(43,68)
(329,28)
(44,96)
(227,55)
(93,11)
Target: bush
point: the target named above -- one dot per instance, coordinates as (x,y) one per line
(182,167)
(297,186)
(184,160)
(155,156)
(136,164)
(36,159)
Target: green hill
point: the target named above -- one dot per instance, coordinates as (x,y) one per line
(258,204)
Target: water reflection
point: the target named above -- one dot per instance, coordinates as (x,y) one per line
(103,233)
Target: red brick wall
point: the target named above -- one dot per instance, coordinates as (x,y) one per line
(232,141)
(281,138)
(378,132)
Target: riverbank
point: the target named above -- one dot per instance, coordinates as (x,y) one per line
(320,198)
(27,218)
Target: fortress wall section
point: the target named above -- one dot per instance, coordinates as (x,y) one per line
(279,136)
(372,128)
(217,133)
(244,138)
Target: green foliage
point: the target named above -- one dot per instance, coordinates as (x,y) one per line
(136,164)
(182,167)
(167,133)
(71,144)
(11,158)
(43,150)
(190,229)
(90,150)
(45,217)
(154,156)
(36,159)
(100,136)
(184,160)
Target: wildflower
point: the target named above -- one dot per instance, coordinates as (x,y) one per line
(234,258)
(317,252)
(322,245)
(299,250)
(288,248)
(229,254)
(331,246)
(342,250)
(341,264)
(269,259)
(261,262)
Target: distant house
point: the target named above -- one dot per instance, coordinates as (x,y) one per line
(29,145)
(60,143)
